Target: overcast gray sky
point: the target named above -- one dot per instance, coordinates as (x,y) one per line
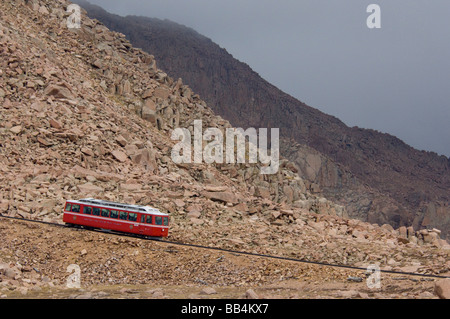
(395,79)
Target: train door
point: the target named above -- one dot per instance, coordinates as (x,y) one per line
(141,226)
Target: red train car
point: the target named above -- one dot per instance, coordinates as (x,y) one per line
(134,219)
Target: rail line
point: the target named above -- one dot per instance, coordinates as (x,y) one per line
(231,251)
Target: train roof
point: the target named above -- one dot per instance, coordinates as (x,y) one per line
(109,204)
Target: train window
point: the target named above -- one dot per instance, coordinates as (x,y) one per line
(96,211)
(149,219)
(142,218)
(158,220)
(105,212)
(76,208)
(68,207)
(166,221)
(123,215)
(132,217)
(114,214)
(87,210)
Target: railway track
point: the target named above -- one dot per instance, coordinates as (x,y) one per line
(236,252)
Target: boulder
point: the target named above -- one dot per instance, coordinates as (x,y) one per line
(411,232)
(55,124)
(130,187)
(403,232)
(225,197)
(251,294)
(149,114)
(126,87)
(208,291)
(442,289)
(276,214)
(43,10)
(430,238)
(16,129)
(388,228)
(212,188)
(145,158)
(8,271)
(89,188)
(121,141)
(262,192)
(162,93)
(58,92)
(119,155)
(4,205)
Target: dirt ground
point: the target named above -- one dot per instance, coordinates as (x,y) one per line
(112,266)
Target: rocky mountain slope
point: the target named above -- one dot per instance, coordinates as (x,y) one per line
(377,177)
(85,114)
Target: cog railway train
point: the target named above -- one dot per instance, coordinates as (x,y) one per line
(124,218)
